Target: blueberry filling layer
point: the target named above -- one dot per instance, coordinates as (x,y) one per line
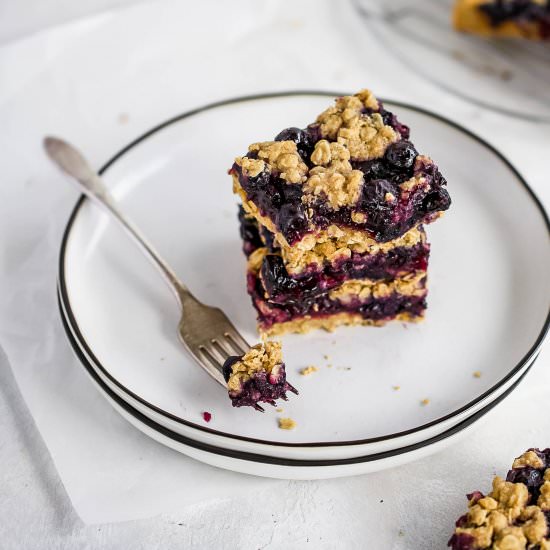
(371,308)
(518,11)
(399,188)
(281,288)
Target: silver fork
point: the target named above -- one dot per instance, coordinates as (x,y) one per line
(206,332)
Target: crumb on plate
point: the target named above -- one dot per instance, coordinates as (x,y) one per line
(308,370)
(287,423)
(207,416)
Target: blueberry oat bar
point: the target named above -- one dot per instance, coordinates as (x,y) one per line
(515,515)
(333,217)
(506,18)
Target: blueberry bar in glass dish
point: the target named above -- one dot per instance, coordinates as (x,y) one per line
(258,376)
(505,18)
(515,515)
(333,219)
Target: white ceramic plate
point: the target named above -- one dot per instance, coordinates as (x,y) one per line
(488,300)
(275,467)
(509,76)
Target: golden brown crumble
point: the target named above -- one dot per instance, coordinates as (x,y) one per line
(503,520)
(308,370)
(529,458)
(338,188)
(477,374)
(280,156)
(330,323)
(250,167)
(364,135)
(287,423)
(358,217)
(333,155)
(333,177)
(266,356)
(362,289)
(425,402)
(350,133)
(396,388)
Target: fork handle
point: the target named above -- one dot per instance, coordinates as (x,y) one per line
(73,163)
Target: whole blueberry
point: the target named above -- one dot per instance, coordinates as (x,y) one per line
(227,368)
(275,276)
(374,193)
(372,169)
(302,138)
(528,475)
(291,220)
(401,154)
(257,182)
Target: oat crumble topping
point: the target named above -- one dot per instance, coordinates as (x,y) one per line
(513,516)
(529,458)
(365,136)
(280,156)
(333,176)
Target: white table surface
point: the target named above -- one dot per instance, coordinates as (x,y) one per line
(375,511)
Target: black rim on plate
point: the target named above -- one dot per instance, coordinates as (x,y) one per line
(264,459)
(64,297)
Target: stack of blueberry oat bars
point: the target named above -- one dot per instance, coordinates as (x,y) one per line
(332,220)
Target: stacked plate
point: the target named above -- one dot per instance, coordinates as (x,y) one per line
(381,396)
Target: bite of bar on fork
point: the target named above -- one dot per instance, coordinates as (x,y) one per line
(258,376)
